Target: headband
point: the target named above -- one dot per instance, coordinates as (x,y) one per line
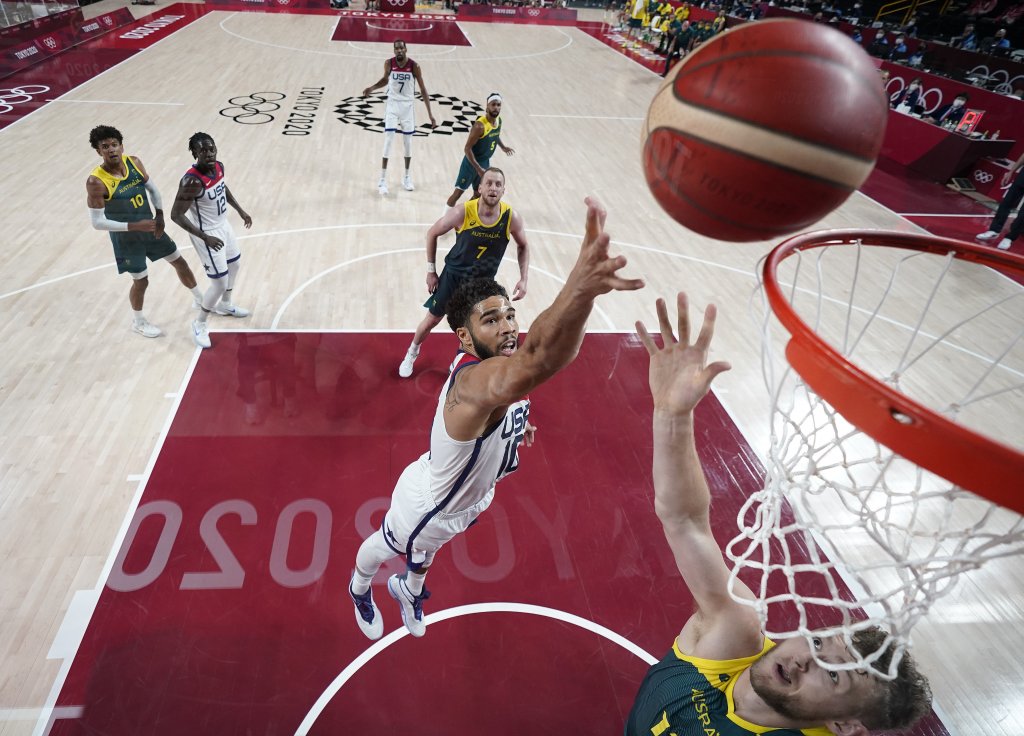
(493,96)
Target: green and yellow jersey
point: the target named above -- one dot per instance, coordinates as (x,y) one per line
(689,696)
(483,149)
(479,248)
(126,199)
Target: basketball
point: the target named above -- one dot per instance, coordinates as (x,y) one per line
(763,130)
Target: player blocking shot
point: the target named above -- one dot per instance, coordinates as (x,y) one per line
(481,420)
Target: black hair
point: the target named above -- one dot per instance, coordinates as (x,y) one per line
(102,133)
(470,293)
(196,139)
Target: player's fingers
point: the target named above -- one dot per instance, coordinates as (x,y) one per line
(707,330)
(667,337)
(620,284)
(717,367)
(683,317)
(645,338)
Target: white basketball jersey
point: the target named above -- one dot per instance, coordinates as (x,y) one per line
(401,83)
(461,473)
(209,209)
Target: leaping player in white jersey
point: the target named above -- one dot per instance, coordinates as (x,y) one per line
(399,73)
(201,210)
(482,417)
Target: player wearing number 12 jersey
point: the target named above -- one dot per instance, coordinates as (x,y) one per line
(201,210)
(481,419)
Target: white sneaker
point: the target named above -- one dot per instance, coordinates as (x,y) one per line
(405,369)
(407,183)
(145,329)
(382,186)
(987,235)
(231,310)
(410,605)
(367,614)
(1005,244)
(201,334)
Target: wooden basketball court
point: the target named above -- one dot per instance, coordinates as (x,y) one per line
(85,404)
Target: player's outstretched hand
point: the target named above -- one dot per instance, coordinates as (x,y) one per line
(596,272)
(678,376)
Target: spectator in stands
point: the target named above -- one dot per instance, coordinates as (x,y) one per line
(998,44)
(899,50)
(916,59)
(879,45)
(952,113)
(858,37)
(718,24)
(909,29)
(681,44)
(967,41)
(909,100)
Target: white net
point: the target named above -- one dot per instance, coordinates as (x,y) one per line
(846,533)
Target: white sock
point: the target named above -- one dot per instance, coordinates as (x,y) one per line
(414,582)
(360,582)
(414,350)
(383,173)
(138,318)
(203,315)
(196,293)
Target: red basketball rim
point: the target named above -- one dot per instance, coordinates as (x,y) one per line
(964,457)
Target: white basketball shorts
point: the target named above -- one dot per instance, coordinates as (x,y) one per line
(215,262)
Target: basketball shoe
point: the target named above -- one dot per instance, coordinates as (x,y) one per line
(382,186)
(145,329)
(367,614)
(410,605)
(405,369)
(231,310)
(407,182)
(201,334)
(987,235)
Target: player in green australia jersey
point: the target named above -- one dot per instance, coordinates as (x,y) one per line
(484,137)
(721,675)
(483,228)
(122,199)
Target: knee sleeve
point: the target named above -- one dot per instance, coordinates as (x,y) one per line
(373,553)
(389,136)
(407,142)
(233,268)
(214,293)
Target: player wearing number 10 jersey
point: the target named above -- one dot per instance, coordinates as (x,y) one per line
(119,194)
(201,210)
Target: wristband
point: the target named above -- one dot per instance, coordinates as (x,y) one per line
(431,267)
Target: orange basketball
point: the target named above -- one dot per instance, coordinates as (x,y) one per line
(764,130)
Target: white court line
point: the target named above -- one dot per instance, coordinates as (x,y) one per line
(121,102)
(403,30)
(31,714)
(93,79)
(275,323)
(299,49)
(55,279)
(986,215)
(379,646)
(584,117)
(48,712)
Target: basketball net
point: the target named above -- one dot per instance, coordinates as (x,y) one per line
(855,526)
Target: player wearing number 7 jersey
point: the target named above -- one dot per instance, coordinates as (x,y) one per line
(482,418)
(119,193)
(201,210)
(483,228)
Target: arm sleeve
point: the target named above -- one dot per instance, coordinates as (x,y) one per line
(154,195)
(100,221)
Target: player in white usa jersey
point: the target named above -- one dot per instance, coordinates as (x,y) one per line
(201,210)
(401,74)
(481,420)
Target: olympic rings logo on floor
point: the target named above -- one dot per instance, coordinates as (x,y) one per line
(253,109)
(983,176)
(19,95)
